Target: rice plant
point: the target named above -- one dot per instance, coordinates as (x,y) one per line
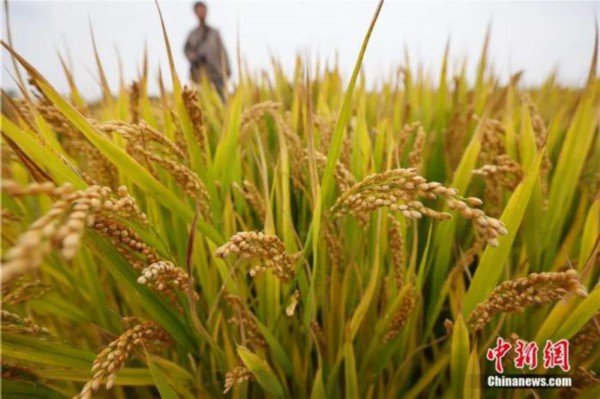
(307,238)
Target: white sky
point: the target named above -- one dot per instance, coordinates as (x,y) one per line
(534,36)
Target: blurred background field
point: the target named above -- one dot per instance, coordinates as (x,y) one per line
(536,37)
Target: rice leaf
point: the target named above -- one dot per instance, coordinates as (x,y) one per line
(568,169)
(24,390)
(590,234)
(279,352)
(342,120)
(459,356)
(350,370)
(318,390)
(584,311)
(160,379)
(433,371)
(46,159)
(473,377)
(261,371)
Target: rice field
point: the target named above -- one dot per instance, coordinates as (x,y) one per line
(307,238)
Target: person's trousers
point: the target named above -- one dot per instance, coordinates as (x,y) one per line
(195,76)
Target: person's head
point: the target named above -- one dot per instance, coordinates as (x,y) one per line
(200,10)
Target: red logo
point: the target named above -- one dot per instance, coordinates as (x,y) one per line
(526,354)
(555,354)
(497,353)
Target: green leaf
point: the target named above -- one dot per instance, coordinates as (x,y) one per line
(426,378)
(45,352)
(126,377)
(341,123)
(591,231)
(318,390)
(533,216)
(579,316)
(160,379)
(459,355)
(227,164)
(473,377)
(365,301)
(261,371)
(424,257)
(555,318)
(350,379)
(27,390)
(279,352)
(568,170)
(43,157)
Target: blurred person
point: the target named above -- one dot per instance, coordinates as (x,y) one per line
(206,53)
